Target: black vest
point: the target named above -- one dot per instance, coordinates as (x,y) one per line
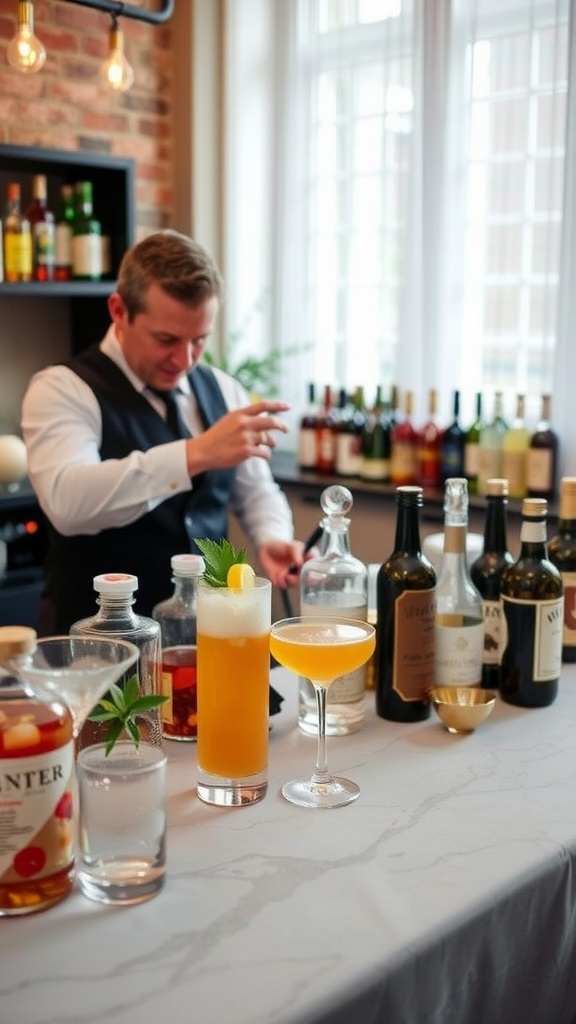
(144,547)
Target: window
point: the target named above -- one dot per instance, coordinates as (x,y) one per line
(413,229)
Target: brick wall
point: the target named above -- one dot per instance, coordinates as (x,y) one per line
(64,106)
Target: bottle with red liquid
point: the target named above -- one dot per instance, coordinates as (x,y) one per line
(429,449)
(326,427)
(36,787)
(43,225)
(405,443)
(177,619)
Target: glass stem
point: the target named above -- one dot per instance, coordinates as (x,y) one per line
(321,775)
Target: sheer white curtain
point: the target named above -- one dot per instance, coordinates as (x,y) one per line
(398,200)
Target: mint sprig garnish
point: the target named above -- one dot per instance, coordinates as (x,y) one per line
(219,555)
(120,710)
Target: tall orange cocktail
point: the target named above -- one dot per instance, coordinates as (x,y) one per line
(233,665)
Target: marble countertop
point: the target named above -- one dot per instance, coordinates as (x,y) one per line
(446,892)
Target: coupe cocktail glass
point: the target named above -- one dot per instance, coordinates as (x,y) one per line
(321,649)
(77,669)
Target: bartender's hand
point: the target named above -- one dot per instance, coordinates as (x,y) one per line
(277,557)
(237,436)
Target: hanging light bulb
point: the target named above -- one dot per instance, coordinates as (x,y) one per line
(116,72)
(25,52)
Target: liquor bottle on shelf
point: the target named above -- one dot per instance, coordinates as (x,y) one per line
(429,447)
(486,573)
(404,441)
(491,442)
(543,456)
(306,454)
(86,236)
(117,618)
(334,583)
(17,238)
(375,462)
(37,769)
(405,620)
(562,554)
(349,437)
(63,235)
(326,435)
(472,447)
(459,613)
(42,223)
(532,604)
(452,450)
(177,618)
(515,449)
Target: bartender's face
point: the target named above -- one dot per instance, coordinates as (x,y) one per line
(166,340)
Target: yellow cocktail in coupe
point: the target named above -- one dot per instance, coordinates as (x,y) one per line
(233,676)
(321,649)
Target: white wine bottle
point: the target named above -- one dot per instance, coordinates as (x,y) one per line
(459,630)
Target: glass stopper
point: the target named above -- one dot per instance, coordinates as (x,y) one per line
(336,500)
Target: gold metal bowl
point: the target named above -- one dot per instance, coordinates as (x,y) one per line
(462,708)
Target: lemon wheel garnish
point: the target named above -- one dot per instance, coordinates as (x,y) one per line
(240,576)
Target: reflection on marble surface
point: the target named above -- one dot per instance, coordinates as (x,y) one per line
(447,892)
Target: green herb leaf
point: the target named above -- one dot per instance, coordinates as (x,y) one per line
(219,555)
(119,708)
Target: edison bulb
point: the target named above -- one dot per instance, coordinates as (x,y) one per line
(25,52)
(116,72)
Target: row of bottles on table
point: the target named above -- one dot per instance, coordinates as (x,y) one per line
(41,245)
(383,444)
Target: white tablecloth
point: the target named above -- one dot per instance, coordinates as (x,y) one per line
(446,893)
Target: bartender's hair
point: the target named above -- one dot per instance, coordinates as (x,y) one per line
(183,268)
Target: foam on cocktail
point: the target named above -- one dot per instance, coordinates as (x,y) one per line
(227,613)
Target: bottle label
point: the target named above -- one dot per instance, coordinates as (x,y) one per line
(63,245)
(492,632)
(307,448)
(374,469)
(459,647)
(18,254)
(414,644)
(545,621)
(36,819)
(43,244)
(454,540)
(540,469)
(569,633)
(514,468)
(348,454)
(87,256)
(404,460)
(471,460)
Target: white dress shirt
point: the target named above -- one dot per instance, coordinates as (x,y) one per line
(81,493)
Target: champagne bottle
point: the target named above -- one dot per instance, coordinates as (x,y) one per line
(42,224)
(405,619)
(543,456)
(335,584)
(429,446)
(472,447)
(562,554)
(452,449)
(17,238)
(459,614)
(532,603)
(486,572)
(491,442)
(306,456)
(37,785)
(515,453)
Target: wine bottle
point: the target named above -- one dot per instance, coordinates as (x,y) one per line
(459,632)
(515,453)
(405,664)
(543,456)
(562,554)
(326,435)
(472,447)
(452,449)
(63,235)
(404,441)
(42,224)
(335,583)
(86,236)
(491,442)
(349,437)
(532,604)
(429,446)
(375,463)
(17,238)
(37,772)
(486,572)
